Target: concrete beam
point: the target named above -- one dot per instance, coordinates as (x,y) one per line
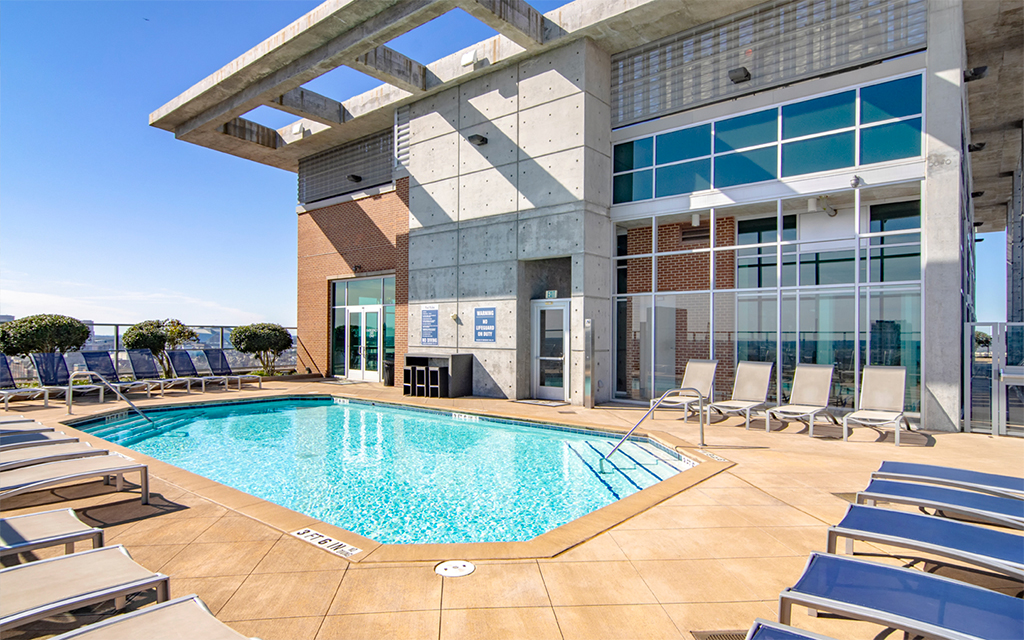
(387,65)
(252,132)
(309,104)
(514,19)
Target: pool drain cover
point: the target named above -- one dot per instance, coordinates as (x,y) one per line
(454,568)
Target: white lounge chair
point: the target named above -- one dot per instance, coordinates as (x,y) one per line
(20,534)
(52,474)
(699,375)
(20,439)
(809,397)
(28,456)
(164,621)
(749,390)
(881,400)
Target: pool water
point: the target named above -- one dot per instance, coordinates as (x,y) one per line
(397,475)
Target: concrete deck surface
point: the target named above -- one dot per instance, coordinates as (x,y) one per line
(713,557)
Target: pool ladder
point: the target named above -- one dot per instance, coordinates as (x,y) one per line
(91,374)
(700,410)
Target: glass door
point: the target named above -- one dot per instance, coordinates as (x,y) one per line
(994,378)
(364,343)
(550,349)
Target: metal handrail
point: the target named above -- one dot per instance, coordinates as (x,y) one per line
(700,400)
(89,374)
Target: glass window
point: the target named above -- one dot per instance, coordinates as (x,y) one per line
(364,291)
(763,230)
(826,336)
(339,293)
(816,116)
(634,155)
(890,100)
(890,335)
(890,141)
(682,331)
(891,263)
(630,187)
(684,178)
(633,334)
(389,290)
(745,167)
(895,216)
(746,131)
(755,267)
(683,145)
(745,329)
(821,264)
(818,154)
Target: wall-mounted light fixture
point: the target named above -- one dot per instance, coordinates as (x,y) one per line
(977,194)
(695,219)
(821,204)
(976,146)
(977,73)
(856,181)
(978,224)
(477,139)
(738,75)
(354,178)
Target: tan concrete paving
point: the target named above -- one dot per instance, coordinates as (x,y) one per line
(711,557)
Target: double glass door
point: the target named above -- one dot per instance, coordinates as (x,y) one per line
(362,343)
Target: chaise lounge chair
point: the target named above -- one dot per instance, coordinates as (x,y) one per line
(38,590)
(910,600)
(1007,512)
(881,400)
(749,390)
(144,367)
(163,621)
(19,440)
(28,456)
(220,367)
(1007,486)
(22,426)
(52,371)
(183,366)
(765,630)
(99,362)
(21,534)
(52,474)
(8,388)
(699,375)
(809,397)
(997,551)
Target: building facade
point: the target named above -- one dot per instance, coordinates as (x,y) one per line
(787,182)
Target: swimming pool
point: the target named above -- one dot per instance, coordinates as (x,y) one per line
(395,474)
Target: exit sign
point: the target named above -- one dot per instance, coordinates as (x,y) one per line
(551,293)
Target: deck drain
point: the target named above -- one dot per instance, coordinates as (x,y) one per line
(718,635)
(454,568)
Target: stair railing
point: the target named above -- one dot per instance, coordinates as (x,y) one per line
(700,401)
(92,374)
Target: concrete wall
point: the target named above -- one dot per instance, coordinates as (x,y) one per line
(538,189)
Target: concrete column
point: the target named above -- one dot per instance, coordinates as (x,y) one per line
(940,225)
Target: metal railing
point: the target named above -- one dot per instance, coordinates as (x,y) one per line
(91,374)
(700,404)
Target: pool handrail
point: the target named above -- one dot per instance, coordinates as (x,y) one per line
(92,374)
(654,406)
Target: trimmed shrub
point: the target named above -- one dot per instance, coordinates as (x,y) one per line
(42,333)
(158,336)
(264,340)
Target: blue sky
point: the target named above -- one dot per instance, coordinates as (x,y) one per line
(105,218)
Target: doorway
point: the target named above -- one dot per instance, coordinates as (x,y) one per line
(549,321)
(363,343)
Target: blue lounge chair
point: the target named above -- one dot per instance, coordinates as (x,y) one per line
(997,551)
(144,367)
(99,362)
(183,366)
(906,599)
(220,367)
(1008,512)
(8,388)
(52,371)
(1008,486)
(765,630)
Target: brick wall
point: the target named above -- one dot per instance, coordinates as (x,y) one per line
(349,240)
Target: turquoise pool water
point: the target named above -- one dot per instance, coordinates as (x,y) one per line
(398,475)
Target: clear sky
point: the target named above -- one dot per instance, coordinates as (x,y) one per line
(105,218)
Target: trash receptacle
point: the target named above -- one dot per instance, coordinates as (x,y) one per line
(389,373)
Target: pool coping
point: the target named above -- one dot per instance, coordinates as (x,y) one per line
(546,545)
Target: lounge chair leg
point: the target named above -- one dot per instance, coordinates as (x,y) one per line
(849,546)
(897,434)
(748,420)
(144,482)
(69,547)
(785,610)
(846,435)
(120,602)
(119,481)
(163,591)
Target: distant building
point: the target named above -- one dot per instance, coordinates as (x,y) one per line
(6,318)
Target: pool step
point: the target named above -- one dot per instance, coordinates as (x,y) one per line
(632,468)
(126,432)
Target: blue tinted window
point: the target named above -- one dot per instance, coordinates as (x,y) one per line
(746,131)
(817,154)
(890,100)
(632,186)
(818,115)
(890,141)
(744,167)
(683,145)
(684,178)
(634,155)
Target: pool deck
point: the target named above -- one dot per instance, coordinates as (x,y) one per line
(713,556)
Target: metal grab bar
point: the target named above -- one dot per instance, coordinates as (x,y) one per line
(89,374)
(700,400)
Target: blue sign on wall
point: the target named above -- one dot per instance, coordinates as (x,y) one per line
(484,325)
(428,331)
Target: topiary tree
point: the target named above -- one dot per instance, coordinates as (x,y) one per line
(264,340)
(158,336)
(42,333)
